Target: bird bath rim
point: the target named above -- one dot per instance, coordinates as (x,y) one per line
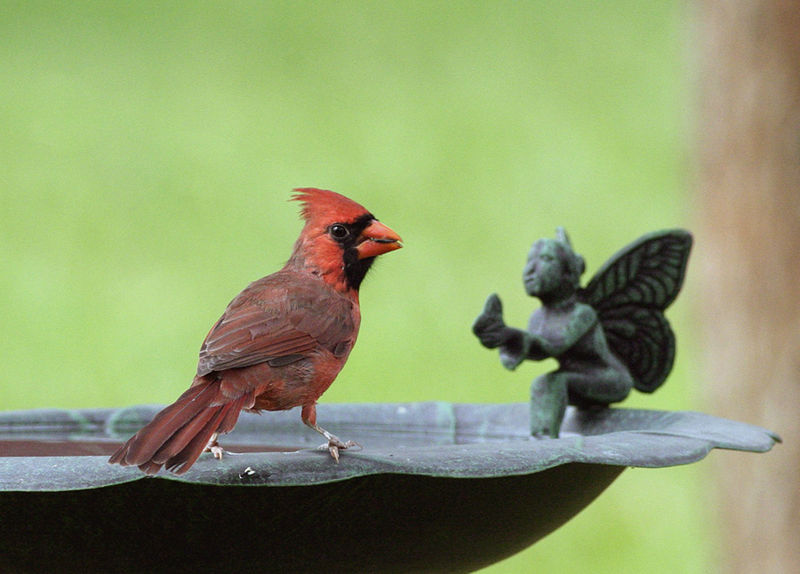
(425,438)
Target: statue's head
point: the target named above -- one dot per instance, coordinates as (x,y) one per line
(553,269)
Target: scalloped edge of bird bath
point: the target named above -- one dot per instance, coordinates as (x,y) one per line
(436,439)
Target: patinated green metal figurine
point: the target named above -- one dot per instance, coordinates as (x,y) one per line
(608,337)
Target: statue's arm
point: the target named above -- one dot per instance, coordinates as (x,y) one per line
(564,335)
(557,334)
(536,348)
(521,345)
(515,345)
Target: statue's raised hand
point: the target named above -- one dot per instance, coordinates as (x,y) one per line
(489,327)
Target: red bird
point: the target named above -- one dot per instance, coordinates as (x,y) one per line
(280,343)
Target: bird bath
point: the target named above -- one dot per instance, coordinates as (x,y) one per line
(436,487)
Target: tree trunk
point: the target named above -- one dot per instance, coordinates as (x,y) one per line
(748,257)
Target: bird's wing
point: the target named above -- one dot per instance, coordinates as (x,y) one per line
(279,319)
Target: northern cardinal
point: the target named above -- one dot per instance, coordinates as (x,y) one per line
(280,343)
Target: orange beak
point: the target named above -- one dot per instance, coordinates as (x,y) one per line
(377,239)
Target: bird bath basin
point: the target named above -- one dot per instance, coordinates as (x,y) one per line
(436,487)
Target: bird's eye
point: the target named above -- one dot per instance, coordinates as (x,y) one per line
(338,231)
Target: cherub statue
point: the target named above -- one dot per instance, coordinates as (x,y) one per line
(608,337)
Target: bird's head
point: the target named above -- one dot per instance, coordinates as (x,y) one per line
(340,239)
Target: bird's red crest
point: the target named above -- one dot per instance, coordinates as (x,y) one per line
(320,204)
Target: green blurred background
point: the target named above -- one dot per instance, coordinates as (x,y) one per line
(148,150)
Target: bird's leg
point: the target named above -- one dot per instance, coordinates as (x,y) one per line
(213,447)
(309,416)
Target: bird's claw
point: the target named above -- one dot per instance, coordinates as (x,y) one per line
(334,444)
(214,448)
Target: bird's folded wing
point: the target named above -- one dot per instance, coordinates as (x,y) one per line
(274,320)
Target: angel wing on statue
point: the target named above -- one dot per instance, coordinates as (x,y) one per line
(608,337)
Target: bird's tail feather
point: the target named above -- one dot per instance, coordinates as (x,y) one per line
(178,434)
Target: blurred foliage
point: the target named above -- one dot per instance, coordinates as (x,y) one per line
(149,149)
